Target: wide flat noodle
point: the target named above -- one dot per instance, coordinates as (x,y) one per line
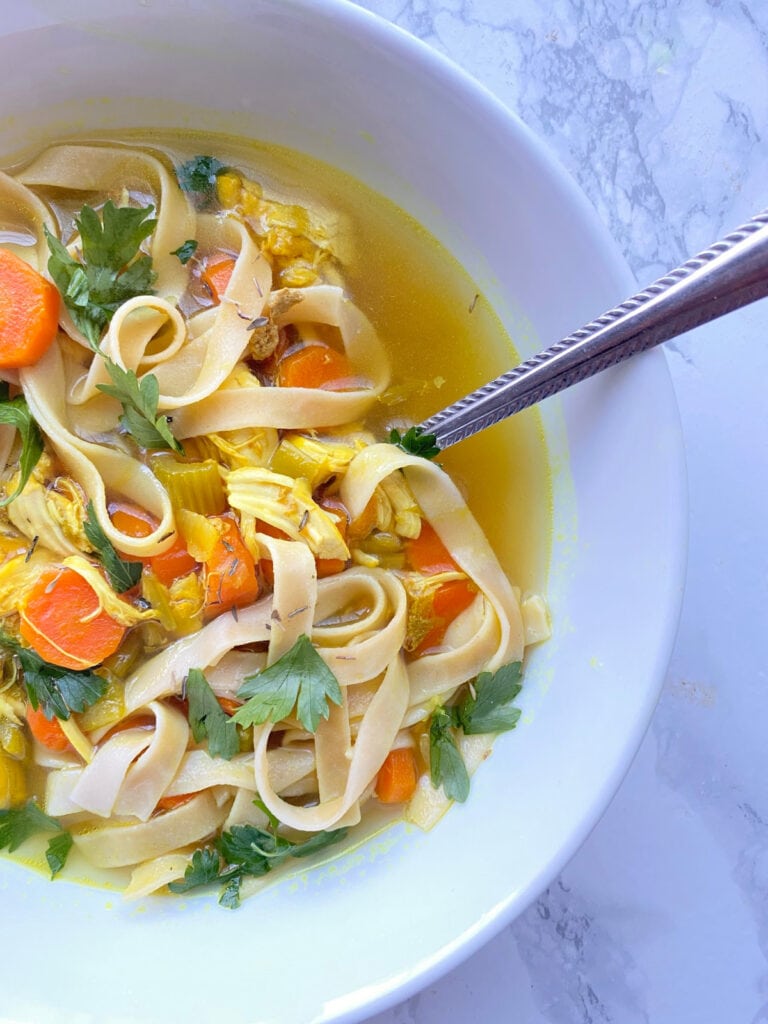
(121,843)
(287,407)
(499,638)
(96,467)
(110,169)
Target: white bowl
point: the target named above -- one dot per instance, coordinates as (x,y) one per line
(360,933)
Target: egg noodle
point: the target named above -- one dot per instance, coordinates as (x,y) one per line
(327,516)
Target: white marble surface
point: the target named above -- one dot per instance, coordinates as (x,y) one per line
(659,109)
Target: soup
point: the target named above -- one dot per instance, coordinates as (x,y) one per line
(242,608)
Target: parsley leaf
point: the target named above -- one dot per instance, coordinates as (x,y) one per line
(207,719)
(58,691)
(139,401)
(18,824)
(198,176)
(446,765)
(112,270)
(491,708)
(122,575)
(204,868)
(15,412)
(21,823)
(58,851)
(186,251)
(415,442)
(246,851)
(299,679)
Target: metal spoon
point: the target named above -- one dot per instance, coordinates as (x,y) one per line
(729,274)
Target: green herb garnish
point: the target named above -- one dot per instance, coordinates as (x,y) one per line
(246,851)
(490,709)
(486,708)
(21,823)
(446,765)
(186,251)
(15,412)
(58,691)
(415,442)
(122,575)
(112,270)
(208,720)
(139,400)
(299,679)
(198,177)
(58,851)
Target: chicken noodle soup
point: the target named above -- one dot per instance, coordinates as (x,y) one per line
(240,605)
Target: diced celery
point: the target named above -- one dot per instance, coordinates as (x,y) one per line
(194,486)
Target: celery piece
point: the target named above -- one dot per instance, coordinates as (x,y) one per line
(194,486)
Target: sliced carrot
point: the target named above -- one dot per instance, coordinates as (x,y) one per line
(360,528)
(450,600)
(329,566)
(173,563)
(168,803)
(229,705)
(316,366)
(29,312)
(230,572)
(397,778)
(133,722)
(46,731)
(61,621)
(134,521)
(427,553)
(217,274)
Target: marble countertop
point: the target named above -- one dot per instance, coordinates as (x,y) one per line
(659,109)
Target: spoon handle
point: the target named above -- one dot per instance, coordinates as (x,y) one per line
(731,273)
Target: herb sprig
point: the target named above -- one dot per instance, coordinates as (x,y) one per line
(207,719)
(486,708)
(247,851)
(113,270)
(15,412)
(415,442)
(186,251)
(299,679)
(198,177)
(18,824)
(139,399)
(58,691)
(122,575)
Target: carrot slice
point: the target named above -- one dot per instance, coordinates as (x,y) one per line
(397,778)
(329,566)
(137,522)
(29,312)
(427,553)
(230,572)
(46,731)
(61,621)
(450,600)
(316,366)
(168,803)
(217,274)
(228,705)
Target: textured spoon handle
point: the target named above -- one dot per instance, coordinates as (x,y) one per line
(731,273)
